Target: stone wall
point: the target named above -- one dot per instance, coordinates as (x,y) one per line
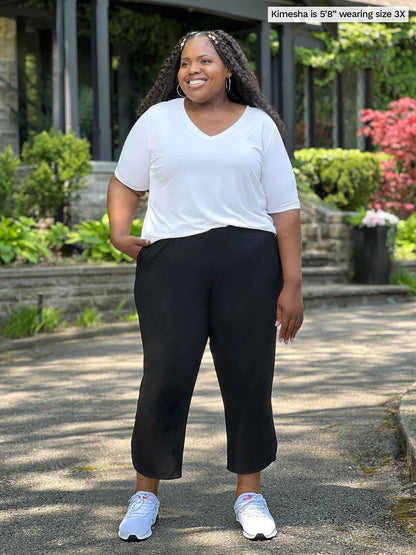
(71,288)
(9,129)
(326,231)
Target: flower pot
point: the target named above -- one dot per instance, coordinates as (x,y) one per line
(372,254)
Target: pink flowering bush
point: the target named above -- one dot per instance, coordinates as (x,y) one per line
(394,131)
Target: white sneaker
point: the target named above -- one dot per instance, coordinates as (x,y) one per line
(140,517)
(252,513)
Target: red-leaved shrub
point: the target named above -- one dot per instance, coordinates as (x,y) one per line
(394,131)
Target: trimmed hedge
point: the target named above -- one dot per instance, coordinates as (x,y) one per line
(345,179)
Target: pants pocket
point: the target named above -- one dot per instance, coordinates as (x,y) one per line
(140,256)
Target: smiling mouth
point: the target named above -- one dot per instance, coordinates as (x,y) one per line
(196,82)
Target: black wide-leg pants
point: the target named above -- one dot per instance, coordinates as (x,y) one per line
(223,284)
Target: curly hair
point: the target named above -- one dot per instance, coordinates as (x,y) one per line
(244,90)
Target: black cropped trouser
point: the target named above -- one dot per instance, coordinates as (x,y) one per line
(223,284)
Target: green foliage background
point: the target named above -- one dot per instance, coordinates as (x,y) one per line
(406,238)
(387,48)
(94,236)
(9,165)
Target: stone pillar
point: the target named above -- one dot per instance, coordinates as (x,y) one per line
(58,64)
(71,66)
(309,103)
(364,100)
(337,113)
(9,126)
(360,94)
(287,71)
(21,80)
(276,84)
(264,59)
(100,66)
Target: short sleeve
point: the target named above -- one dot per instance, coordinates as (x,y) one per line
(278,178)
(133,166)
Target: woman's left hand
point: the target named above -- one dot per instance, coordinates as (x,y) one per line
(289,312)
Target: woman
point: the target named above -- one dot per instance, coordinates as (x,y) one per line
(208,148)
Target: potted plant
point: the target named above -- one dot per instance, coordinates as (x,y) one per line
(374,237)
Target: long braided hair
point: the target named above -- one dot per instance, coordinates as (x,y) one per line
(244,90)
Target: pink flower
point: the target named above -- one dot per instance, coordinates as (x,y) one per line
(373,218)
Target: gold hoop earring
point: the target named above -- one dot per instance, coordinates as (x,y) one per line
(184,96)
(228,84)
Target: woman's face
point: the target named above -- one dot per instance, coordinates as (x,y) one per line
(201,63)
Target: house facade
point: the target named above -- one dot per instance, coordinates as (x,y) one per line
(42,46)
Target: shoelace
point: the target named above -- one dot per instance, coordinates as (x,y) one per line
(253,507)
(141,507)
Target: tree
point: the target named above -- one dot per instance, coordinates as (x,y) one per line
(394,132)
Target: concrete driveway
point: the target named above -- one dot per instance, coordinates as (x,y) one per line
(339,484)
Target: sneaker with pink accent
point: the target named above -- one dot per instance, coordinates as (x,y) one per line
(252,513)
(140,517)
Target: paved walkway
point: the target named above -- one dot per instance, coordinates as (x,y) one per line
(339,485)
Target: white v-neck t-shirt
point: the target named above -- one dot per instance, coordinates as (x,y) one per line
(197,182)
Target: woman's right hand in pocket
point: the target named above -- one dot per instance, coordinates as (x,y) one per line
(130,245)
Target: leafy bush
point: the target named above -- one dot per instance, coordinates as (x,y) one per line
(55,237)
(88,318)
(57,164)
(344,178)
(51,319)
(394,131)
(22,323)
(306,174)
(94,235)
(25,322)
(9,164)
(405,247)
(19,239)
(400,276)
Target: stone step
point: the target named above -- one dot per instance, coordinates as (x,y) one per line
(311,231)
(316,258)
(343,295)
(325,274)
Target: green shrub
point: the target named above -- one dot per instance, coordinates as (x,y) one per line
(25,322)
(56,166)
(88,318)
(400,276)
(131,317)
(345,179)
(305,170)
(19,239)
(55,237)
(9,165)
(94,236)
(405,246)
(22,322)
(52,319)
